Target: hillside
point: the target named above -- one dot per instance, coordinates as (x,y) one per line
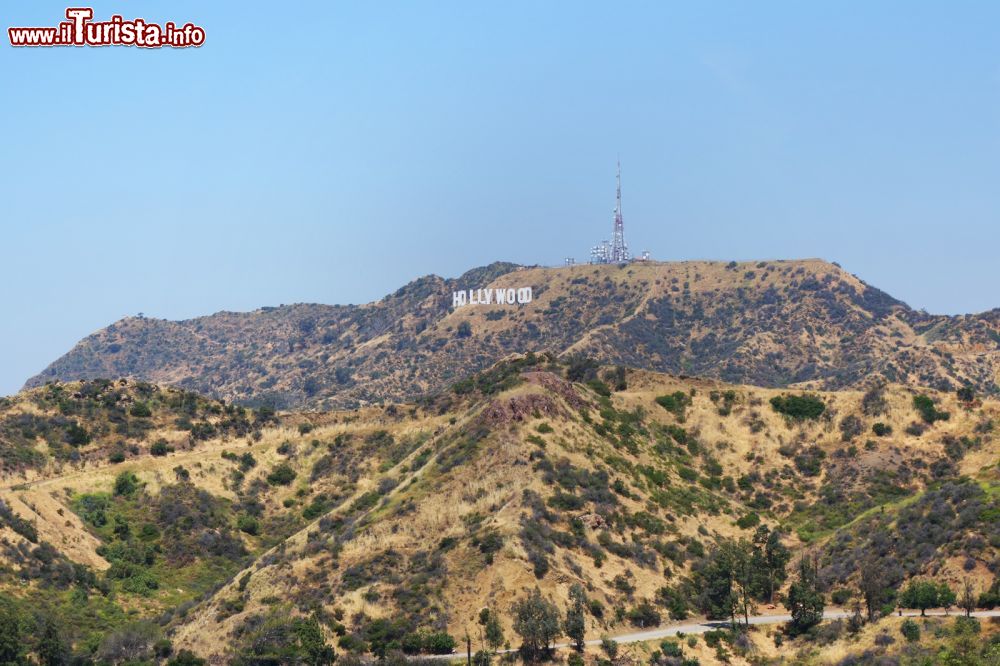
(393,526)
(772,324)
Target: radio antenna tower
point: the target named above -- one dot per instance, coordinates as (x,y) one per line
(619,249)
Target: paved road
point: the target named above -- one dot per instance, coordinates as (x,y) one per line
(703,626)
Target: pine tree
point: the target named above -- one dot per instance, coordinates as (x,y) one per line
(727,580)
(805,601)
(575,625)
(770,559)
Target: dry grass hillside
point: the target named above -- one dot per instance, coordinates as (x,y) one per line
(768,323)
(123,500)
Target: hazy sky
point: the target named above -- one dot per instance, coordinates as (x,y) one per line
(332,154)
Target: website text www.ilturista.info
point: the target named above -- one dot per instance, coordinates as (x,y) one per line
(81,30)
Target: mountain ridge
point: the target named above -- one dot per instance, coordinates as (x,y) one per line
(769,323)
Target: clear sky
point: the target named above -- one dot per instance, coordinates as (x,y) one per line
(333,153)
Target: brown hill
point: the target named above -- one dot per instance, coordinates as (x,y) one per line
(400,518)
(774,323)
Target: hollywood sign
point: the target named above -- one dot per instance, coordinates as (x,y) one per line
(509,296)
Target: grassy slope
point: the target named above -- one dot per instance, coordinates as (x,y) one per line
(410,493)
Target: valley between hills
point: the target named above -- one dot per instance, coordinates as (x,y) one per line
(639,447)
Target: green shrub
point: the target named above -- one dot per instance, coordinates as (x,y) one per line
(248,525)
(77,435)
(282,475)
(676,403)
(352,643)
(881,429)
(799,407)
(160,448)
(910,631)
(126,484)
(316,508)
(438,643)
(928,409)
(599,387)
(748,520)
(840,596)
(644,615)
(141,410)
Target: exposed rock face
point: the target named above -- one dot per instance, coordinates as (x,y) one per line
(557,385)
(519,408)
(593,521)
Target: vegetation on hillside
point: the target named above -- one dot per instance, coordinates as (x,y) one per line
(540,500)
(774,323)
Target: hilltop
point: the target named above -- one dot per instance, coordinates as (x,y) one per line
(771,323)
(393,526)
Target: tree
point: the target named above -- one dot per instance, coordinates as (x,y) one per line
(946,596)
(464,330)
(805,601)
(991,598)
(575,625)
(536,620)
(967,601)
(924,594)
(674,600)
(726,578)
(11,645)
(770,559)
(53,649)
(315,650)
(741,563)
(713,578)
(874,590)
(490,620)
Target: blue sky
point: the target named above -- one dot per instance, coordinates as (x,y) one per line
(333,153)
